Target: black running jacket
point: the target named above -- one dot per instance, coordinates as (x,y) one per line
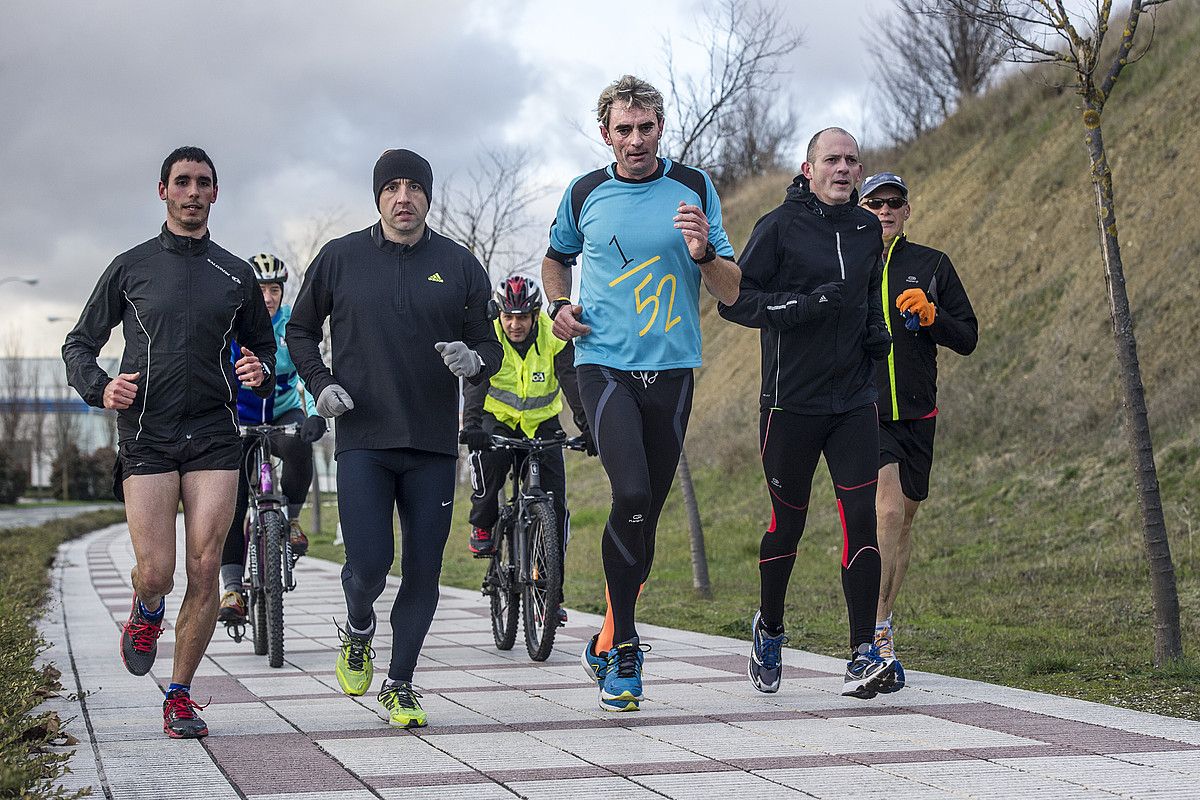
(179,301)
(812,368)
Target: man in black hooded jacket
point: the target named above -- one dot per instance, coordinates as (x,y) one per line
(811,282)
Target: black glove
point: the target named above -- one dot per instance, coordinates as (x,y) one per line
(878,342)
(589,443)
(312,429)
(475,439)
(822,303)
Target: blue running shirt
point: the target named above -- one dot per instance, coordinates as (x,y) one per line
(639,288)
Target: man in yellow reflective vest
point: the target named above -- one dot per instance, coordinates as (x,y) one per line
(522,400)
(926,308)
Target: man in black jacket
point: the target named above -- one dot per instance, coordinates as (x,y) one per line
(810,281)
(404,306)
(926,306)
(180,300)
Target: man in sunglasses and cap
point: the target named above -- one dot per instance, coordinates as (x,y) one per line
(925,306)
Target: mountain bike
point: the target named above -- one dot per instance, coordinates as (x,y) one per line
(269,558)
(526,571)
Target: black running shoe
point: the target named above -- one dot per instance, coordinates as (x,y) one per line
(180,720)
(139,641)
(866,672)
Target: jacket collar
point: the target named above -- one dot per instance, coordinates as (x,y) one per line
(184,245)
(801,192)
(395,248)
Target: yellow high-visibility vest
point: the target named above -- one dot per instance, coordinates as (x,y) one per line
(524,393)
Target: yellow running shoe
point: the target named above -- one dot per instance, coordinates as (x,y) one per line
(400,700)
(354,668)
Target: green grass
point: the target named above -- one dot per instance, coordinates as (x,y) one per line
(26,769)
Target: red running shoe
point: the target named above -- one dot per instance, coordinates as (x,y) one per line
(179,719)
(139,641)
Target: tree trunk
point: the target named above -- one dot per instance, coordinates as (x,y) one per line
(695,530)
(1167,641)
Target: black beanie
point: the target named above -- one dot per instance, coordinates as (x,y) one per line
(395,164)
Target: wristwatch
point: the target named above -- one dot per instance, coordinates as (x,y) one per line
(710,253)
(556,306)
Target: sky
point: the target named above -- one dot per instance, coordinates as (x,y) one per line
(295,100)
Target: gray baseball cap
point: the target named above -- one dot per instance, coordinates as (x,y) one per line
(881,179)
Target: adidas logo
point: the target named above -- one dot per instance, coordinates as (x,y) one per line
(822,300)
(436,278)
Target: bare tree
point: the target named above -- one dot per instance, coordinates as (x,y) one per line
(490,212)
(14,382)
(944,59)
(718,116)
(1045,31)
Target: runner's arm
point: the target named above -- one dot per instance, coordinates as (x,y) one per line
(100,315)
(253,330)
(473,397)
(875,318)
(756,307)
(304,329)
(955,325)
(478,332)
(556,279)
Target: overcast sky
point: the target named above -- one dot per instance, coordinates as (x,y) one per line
(295,100)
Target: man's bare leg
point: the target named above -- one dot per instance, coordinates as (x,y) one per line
(151,502)
(895,514)
(208,500)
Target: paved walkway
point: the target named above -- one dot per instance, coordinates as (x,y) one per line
(502,726)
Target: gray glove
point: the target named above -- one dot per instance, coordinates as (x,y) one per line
(460,359)
(333,401)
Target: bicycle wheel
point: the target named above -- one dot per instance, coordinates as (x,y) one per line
(505,599)
(543,592)
(272,560)
(258,617)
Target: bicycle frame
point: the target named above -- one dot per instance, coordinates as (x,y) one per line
(263,497)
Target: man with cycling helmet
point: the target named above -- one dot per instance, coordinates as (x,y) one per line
(522,400)
(285,406)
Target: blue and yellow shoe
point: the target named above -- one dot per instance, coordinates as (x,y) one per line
(400,700)
(596,664)
(885,645)
(354,668)
(765,667)
(621,689)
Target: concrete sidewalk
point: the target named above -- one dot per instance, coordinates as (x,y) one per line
(502,726)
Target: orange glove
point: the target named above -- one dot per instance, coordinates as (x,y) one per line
(914,300)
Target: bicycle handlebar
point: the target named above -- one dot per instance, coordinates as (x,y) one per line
(509,443)
(291,429)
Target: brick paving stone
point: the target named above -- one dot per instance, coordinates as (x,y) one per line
(502,726)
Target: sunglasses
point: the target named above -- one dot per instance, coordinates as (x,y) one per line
(876,203)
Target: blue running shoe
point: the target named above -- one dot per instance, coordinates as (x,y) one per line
(866,672)
(621,689)
(595,663)
(885,646)
(765,667)
(895,681)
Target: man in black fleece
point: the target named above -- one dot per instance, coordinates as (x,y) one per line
(811,281)
(407,312)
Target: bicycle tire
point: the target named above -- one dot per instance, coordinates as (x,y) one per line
(272,559)
(258,616)
(505,599)
(543,593)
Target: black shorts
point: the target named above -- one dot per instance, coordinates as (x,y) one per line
(183,455)
(909,443)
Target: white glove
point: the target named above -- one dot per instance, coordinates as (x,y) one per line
(334,401)
(460,359)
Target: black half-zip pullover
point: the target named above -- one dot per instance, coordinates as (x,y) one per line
(387,305)
(907,379)
(180,302)
(812,368)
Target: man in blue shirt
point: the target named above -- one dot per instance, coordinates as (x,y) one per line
(648,231)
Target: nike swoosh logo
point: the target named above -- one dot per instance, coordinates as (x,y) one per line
(860,227)
(448,502)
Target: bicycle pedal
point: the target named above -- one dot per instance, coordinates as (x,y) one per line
(483,555)
(236,631)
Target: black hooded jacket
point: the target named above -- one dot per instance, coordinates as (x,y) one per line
(180,301)
(812,367)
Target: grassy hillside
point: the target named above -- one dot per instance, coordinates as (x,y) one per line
(1028,566)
